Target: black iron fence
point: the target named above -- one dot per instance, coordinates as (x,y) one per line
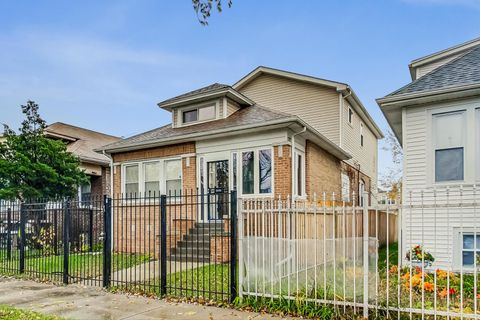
(181,244)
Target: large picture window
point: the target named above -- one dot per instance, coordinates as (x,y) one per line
(448,141)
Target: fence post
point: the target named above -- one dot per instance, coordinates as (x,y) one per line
(66,240)
(233,245)
(163,245)
(107,241)
(23,220)
(90,229)
(365,254)
(9,233)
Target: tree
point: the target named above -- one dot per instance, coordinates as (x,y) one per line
(34,166)
(203,8)
(391,179)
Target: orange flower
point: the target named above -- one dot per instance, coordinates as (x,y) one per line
(443,293)
(416,280)
(393,269)
(428,287)
(441,274)
(406,276)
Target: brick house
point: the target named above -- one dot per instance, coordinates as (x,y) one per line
(273,133)
(246,133)
(82,143)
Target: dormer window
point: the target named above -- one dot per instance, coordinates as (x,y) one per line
(198,114)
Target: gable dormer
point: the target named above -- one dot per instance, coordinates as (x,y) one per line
(214,102)
(421,66)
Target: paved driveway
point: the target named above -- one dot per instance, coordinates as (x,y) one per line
(80,302)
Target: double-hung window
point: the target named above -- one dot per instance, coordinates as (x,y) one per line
(470,248)
(449,146)
(173,177)
(257,175)
(152,178)
(299,174)
(131,180)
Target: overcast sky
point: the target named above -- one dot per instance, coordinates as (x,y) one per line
(104,64)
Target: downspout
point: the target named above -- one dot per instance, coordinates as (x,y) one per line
(292,156)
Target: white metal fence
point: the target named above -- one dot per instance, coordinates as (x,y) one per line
(355,258)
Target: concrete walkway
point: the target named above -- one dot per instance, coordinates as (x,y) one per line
(79,302)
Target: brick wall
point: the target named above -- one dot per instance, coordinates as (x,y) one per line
(283,172)
(137,225)
(323,171)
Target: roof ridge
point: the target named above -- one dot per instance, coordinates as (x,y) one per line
(81,128)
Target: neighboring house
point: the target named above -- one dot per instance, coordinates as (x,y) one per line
(436,118)
(82,143)
(2,138)
(241,138)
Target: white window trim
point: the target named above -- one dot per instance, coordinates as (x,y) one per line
(433,147)
(458,248)
(345,197)
(295,186)
(350,121)
(141,174)
(477,144)
(181,110)
(256,168)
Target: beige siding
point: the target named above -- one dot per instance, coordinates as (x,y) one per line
(232,107)
(220,109)
(424,69)
(365,156)
(314,104)
(174,118)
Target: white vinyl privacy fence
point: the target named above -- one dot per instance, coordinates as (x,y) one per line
(355,258)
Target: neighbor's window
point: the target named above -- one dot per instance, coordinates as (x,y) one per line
(247,172)
(345,187)
(448,142)
(470,251)
(85,192)
(173,176)
(361,134)
(131,179)
(152,178)
(265,170)
(350,115)
(299,174)
(199,114)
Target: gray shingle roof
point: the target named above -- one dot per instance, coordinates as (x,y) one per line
(460,71)
(246,116)
(210,88)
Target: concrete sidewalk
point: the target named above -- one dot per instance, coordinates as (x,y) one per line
(78,302)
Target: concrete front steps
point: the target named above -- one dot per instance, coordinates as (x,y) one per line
(195,245)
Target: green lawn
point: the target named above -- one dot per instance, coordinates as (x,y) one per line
(85,265)
(10,313)
(210,282)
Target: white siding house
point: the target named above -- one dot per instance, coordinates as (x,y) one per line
(437,120)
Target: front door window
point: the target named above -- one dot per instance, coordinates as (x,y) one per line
(217,189)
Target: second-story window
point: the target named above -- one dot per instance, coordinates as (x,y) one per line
(199,114)
(361,134)
(350,115)
(448,145)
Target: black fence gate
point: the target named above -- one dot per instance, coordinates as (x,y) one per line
(154,244)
